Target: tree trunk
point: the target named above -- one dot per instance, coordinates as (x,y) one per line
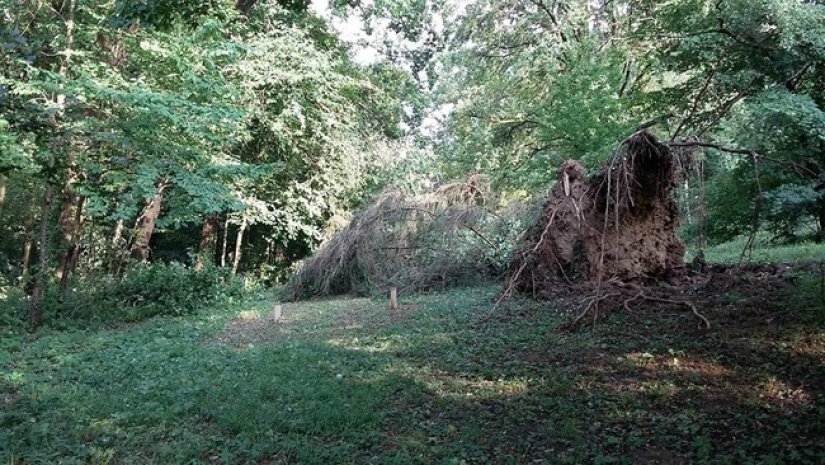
(2,194)
(71,254)
(225,244)
(116,251)
(27,247)
(66,222)
(238,244)
(36,304)
(821,235)
(146,224)
(36,308)
(207,243)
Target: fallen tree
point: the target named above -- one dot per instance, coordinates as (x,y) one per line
(608,235)
(449,236)
(619,224)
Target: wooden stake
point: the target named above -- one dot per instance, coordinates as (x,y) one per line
(393,298)
(277,311)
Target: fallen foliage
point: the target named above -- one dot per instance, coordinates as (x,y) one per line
(449,236)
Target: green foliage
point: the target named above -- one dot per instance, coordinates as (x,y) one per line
(533,83)
(339,379)
(145,291)
(764,251)
(166,15)
(150,290)
(789,209)
(244,113)
(13,154)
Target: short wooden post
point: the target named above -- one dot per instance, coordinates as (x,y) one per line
(393,298)
(276,313)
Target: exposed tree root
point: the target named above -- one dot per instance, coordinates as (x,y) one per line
(616,295)
(592,308)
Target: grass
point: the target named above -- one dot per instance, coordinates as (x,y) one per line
(764,251)
(348,381)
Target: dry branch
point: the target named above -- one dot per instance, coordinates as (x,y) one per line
(412,242)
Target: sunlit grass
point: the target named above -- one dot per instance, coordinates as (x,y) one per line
(763,251)
(349,381)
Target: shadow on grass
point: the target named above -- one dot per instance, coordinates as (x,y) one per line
(358,385)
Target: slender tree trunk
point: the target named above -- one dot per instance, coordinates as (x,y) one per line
(118,233)
(225,244)
(2,194)
(91,252)
(821,235)
(36,308)
(116,251)
(70,256)
(702,213)
(238,245)
(27,247)
(220,232)
(207,242)
(146,224)
(36,304)
(66,221)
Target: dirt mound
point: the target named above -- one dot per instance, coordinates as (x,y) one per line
(618,225)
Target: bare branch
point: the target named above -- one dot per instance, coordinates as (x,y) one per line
(695,106)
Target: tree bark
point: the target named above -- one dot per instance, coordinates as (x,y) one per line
(2,194)
(66,221)
(146,224)
(36,307)
(71,254)
(821,235)
(238,245)
(36,304)
(117,249)
(225,241)
(27,247)
(207,243)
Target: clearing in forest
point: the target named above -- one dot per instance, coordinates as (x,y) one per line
(349,381)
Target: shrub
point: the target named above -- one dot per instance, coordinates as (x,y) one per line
(157,289)
(143,292)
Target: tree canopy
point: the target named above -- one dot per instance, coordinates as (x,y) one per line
(241,132)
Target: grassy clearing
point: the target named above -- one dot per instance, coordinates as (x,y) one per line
(763,252)
(348,381)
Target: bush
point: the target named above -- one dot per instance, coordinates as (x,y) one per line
(143,292)
(11,310)
(157,289)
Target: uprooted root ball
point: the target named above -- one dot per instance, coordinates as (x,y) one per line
(620,224)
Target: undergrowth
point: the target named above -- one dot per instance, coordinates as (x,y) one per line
(143,292)
(763,251)
(348,381)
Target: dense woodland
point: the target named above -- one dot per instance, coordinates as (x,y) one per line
(240,135)
(166,166)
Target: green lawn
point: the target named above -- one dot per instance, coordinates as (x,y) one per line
(348,381)
(763,251)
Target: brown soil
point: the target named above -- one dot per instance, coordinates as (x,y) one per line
(620,224)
